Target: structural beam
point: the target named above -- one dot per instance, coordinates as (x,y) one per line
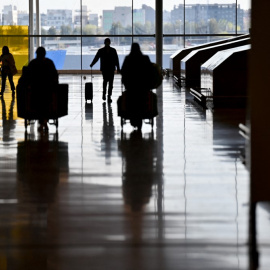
(38,39)
(31,29)
(159,32)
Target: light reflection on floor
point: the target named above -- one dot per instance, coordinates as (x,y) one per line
(175,197)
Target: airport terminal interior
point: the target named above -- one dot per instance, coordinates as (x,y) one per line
(187,191)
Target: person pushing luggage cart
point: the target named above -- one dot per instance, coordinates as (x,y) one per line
(108,62)
(138,76)
(43,80)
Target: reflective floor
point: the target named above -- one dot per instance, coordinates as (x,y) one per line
(94,196)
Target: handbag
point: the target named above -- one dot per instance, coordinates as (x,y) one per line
(13,70)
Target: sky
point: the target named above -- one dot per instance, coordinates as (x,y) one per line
(97,6)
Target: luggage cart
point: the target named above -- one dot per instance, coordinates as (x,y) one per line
(27,105)
(136,109)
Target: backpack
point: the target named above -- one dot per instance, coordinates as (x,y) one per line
(156,76)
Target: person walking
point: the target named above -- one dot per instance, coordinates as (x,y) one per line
(8,69)
(108,63)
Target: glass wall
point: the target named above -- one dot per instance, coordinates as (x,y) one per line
(144,17)
(16,38)
(73,30)
(195,22)
(210,17)
(243,16)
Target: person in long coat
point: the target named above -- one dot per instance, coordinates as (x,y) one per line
(43,80)
(136,74)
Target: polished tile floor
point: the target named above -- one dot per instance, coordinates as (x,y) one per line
(94,196)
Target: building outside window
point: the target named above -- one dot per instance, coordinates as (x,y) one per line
(76,31)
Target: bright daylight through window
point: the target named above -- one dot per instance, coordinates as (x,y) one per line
(73,30)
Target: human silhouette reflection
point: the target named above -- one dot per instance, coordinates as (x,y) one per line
(8,121)
(108,132)
(41,163)
(139,169)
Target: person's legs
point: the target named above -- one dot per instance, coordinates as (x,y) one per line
(4,78)
(44,100)
(40,125)
(12,86)
(43,125)
(110,86)
(105,82)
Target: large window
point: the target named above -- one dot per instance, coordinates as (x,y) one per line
(73,30)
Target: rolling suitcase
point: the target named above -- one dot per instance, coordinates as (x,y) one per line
(62,100)
(89,90)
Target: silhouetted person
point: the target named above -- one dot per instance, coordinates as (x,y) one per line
(108,62)
(23,82)
(43,80)
(8,69)
(136,71)
(136,77)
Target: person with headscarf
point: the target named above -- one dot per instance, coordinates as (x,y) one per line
(136,77)
(43,80)
(136,70)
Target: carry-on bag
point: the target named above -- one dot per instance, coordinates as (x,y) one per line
(89,90)
(62,99)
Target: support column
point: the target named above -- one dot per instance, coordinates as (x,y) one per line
(258,148)
(159,32)
(31,30)
(159,123)
(38,39)
(259,109)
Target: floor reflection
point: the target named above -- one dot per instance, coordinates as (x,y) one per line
(108,132)
(41,164)
(226,138)
(139,167)
(138,176)
(95,195)
(8,119)
(89,111)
